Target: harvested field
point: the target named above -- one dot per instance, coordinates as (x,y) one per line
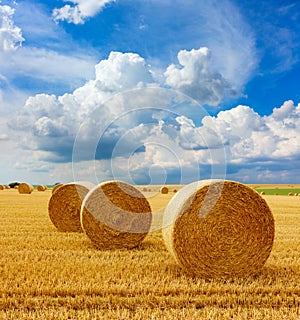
(50,275)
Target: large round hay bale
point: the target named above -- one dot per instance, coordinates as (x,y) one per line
(219,229)
(25,188)
(41,188)
(164,190)
(56,187)
(1,187)
(65,203)
(116,215)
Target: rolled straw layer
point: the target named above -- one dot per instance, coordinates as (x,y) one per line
(64,206)
(116,215)
(41,188)
(25,188)
(219,229)
(56,187)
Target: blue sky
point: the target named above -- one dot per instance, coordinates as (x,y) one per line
(149,91)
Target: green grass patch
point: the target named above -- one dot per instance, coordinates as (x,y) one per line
(281,192)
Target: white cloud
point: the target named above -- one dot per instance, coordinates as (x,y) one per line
(81,10)
(195,78)
(10,35)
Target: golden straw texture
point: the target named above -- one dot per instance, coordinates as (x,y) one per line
(25,188)
(56,187)
(116,215)
(64,206)
(41,188)
(164,190)
(219,229)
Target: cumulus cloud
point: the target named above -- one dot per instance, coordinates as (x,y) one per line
(80,11)
(131,127)
(195,78)
(10,35)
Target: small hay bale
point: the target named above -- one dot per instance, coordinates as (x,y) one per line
(262,193)
(116,215)
(65,203)
(56,187)
(290,194)
(218,229)
(296,194)
(175,190)
(144,189)
(1,187)
(276,193)
(25,188)
(7,187)
(41,188)
(16,187)
(164,190)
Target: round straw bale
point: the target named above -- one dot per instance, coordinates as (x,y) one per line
(65,203)
(144,189)
(175,190)
(116,215)
(296,194)
(16,187)
(25,188)
(1,187)
(219,229)
(262,193)
(41,188)
(56,187)
(290,194)
(164,190)
(7,187)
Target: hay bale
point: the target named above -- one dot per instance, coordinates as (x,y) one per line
(25,188)
(164,190)
(116,215)
(7,187)
(296,194)
(175,190)
(144,189)
(57,186)
(262,193)
(16,187)
(1,187)
(41,188)
(65,203)
(219,229)
(290,194)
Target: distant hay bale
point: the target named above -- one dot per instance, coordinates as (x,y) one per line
(218,229)
(296,194)
(7,187)
(1,187)
(276,193)
(64,206)
(16,187)
(290,194)
(41,188)
(56,187)
(145,190)
(164,190)
(175,190)
(262,193)
(116,215)
(25,188)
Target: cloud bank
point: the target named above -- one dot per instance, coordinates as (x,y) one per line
(80,11)
(132,127)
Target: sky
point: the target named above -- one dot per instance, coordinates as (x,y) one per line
(149,91)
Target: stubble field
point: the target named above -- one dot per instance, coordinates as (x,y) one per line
(47,274)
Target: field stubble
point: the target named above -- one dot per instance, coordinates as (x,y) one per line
(47,274)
